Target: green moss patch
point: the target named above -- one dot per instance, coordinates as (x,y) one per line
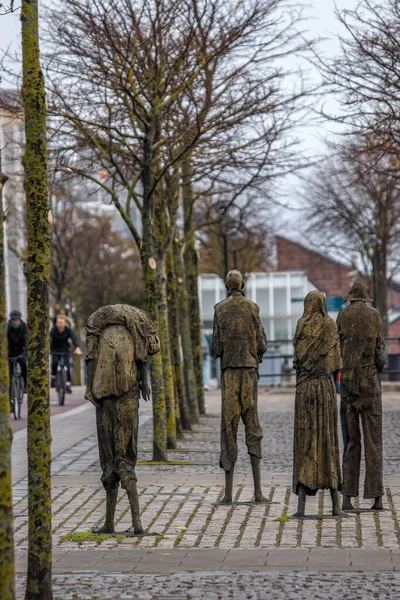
(88,536)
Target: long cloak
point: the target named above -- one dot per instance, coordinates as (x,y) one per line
(316,461)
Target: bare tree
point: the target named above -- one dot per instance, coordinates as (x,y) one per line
(243,240)
(365,75)
(353,206)
(137,87)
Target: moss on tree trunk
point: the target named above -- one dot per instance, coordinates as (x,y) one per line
(7,568)
(165,351)
(184,328)
(38,585)
(191,275)
(149,266)
(184,418)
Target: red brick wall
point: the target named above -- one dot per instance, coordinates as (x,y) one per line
(394,332)
(329,276)
(393,299)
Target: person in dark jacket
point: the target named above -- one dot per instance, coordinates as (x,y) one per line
(61,337)
(363,356)
(17,343)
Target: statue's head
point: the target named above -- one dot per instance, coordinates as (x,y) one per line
(315,303)
(358,293)
(234,281)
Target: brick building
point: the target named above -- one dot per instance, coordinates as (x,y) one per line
(333,278)
(328,275)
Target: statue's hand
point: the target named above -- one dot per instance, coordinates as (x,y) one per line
(89,396)
(145,390)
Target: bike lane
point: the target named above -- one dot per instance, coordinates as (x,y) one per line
(71,401)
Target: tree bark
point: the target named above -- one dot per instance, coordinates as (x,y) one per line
(39,585)
(165,351)
(191,275)
(184,328)
(7,562)
(149,266)
(156,365)
(381,287)
(184,418)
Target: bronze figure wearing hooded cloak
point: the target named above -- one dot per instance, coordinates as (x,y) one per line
(239,341)
(120,339)
(363,356)
(316,461)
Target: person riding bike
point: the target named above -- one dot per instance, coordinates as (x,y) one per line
(17,343)
(60,337)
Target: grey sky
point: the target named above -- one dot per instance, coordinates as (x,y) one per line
(322,22)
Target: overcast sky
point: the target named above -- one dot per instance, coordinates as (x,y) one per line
(321,23)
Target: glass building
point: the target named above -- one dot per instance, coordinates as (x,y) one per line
(280,296)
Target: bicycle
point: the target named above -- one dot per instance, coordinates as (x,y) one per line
(61,377)
(16,386)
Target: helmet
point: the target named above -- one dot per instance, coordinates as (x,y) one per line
(15,314)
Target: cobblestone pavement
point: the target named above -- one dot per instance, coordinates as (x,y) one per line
(240,586)
(179,507)
(178,502)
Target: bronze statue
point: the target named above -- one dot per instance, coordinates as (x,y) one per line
(119,339)
(240,342)
(363,356)
(316,461)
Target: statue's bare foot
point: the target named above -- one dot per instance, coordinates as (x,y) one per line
(299,514)
(336,512)
(104,529)
(377,505)
(346,504)
(260,498)
(225,500)
(138,529)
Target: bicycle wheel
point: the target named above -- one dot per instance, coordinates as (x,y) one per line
(61,383)
(19,395)
(13,408)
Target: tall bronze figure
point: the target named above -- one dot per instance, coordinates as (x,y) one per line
(120,339)
(316,461)
(363,356)
(239,341)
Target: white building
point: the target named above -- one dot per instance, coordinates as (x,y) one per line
(11,148)
(280,296)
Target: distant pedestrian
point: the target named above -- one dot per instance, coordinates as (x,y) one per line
(17,343)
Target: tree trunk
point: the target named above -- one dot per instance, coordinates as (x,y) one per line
(184,328)
(184,421)
(39,586)
(156,366)
(149,266)
(381,288)
(76,360)
(191,275)
(7,567)
(166,356)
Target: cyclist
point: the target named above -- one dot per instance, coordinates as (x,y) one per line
(16,336)
(60,337)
